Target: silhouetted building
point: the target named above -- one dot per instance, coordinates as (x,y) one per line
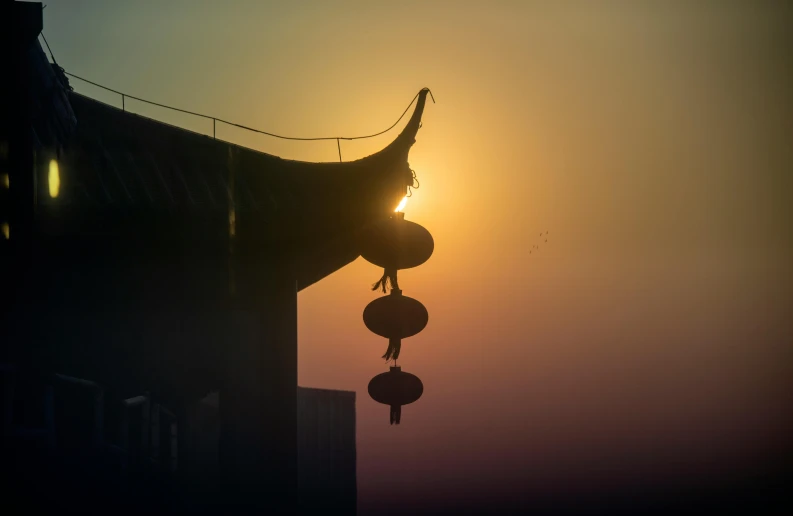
(70,428)
(326,448)
(151,259)
(326,451)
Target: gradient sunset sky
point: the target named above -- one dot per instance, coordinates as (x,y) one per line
(649,340)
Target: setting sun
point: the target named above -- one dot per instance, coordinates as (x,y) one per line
(402,204)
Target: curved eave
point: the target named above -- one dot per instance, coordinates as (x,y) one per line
(125,174)
(399,146)
(122,163)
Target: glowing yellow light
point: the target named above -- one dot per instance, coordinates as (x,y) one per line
(402,204)
(6,230)
(6,181)
(54,179)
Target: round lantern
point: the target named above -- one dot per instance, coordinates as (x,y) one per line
(395,316)
(396,244)
(395,388)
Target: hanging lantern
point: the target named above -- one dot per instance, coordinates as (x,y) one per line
(395,388)
(396,244)
(395,317)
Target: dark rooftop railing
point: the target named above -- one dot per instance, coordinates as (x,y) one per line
(215,120)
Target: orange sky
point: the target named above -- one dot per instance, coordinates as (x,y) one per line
(650,336)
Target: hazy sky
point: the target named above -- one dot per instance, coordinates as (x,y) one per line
(650,338)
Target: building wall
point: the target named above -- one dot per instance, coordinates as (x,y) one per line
(101,450)
(326,451)
(327,482)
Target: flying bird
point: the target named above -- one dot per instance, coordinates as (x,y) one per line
(546,240)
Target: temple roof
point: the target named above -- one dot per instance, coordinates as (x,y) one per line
(120,172)
(122,161)
(119,163)
(164,188)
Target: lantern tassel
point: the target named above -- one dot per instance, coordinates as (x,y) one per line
(396,414)
(394,347)
(389,276)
